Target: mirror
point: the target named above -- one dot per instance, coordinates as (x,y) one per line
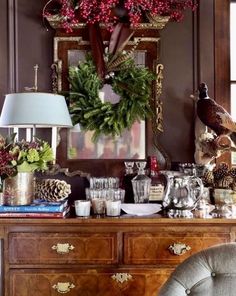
(131,143)
(76,149)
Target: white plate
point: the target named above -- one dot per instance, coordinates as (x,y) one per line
(141,209)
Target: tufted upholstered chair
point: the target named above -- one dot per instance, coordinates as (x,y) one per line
(210,272)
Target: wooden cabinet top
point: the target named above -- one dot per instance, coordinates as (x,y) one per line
(153,221)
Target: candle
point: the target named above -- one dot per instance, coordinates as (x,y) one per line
(113,208)
(82,208)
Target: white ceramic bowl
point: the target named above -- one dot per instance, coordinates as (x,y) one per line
(141,209)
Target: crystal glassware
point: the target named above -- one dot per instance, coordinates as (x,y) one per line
(127,184)
(129,167)
(141,184)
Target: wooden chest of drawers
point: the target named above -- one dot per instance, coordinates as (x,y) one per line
(63,248)
(97,257)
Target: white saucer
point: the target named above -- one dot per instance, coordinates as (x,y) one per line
(141,209)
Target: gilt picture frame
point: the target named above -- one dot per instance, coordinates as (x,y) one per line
(66,52)
(129,145)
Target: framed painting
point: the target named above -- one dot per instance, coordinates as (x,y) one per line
(130,145)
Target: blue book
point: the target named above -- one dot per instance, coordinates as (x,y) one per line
(37,206)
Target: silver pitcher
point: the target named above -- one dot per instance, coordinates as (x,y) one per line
(181,193)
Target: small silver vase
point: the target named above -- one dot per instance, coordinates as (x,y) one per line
(19,190)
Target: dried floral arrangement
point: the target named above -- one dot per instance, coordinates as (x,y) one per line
(23,156)
(111,12)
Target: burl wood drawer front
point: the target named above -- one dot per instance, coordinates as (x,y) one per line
(169,248)
(87,283)
(49,248)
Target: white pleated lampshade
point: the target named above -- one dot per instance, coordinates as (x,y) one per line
(35,109)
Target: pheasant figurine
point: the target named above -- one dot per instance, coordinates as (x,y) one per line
(210,146)
(214,115)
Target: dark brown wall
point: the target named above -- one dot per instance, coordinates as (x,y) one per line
(4,74)
(177,57)
(187,52)
(24,42)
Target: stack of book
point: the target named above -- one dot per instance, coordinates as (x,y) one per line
(38,209)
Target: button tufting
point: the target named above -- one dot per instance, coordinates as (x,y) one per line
(213,274)
(187,291)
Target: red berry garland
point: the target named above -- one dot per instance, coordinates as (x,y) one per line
(103,11)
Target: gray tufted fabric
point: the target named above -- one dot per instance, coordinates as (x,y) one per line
(211,272)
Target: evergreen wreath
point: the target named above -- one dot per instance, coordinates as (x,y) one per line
(132,83)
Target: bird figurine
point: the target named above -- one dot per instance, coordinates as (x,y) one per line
(214,115)
(211,144)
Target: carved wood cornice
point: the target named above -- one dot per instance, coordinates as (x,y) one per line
(156,23)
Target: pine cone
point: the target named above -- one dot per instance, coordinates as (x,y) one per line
(52,189)
(226,182)
(208,178)
(232,173)
(221,171)
(234,185)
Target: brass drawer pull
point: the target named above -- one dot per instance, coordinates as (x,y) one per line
(121,277)
(179,249)
(63,288)
(63,248)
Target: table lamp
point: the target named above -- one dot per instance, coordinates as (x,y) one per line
(36,109)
